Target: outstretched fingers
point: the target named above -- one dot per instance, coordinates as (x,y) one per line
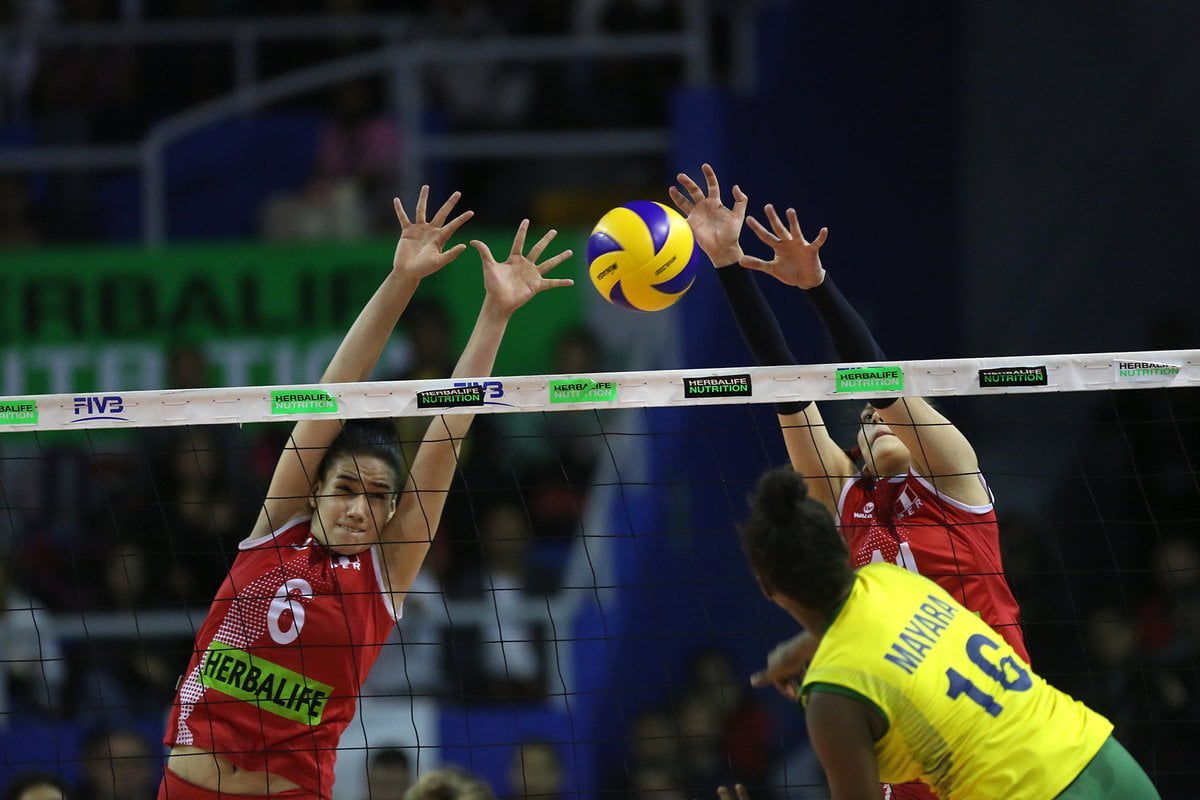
(710,177)
(535,252)
(485,252)
(684,205)
(444,212)
(776,223)
(740,200)
(553,261)
(449,255)
(750,262)
(453,225)
(693,189)
(764,235)
(400,215)
(555,283)
(518,245)
(422,202)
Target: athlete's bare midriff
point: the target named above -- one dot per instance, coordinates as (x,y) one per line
(214,772)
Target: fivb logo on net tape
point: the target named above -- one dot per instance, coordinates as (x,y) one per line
(92,407)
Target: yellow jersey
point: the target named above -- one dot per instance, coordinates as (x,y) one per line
(964,713)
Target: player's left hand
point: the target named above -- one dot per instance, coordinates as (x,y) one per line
(513,282)
(715,227)
(723,792)
(797,261)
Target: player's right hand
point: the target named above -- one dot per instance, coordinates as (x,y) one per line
(786,665)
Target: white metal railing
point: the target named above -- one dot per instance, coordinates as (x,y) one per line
(403,62)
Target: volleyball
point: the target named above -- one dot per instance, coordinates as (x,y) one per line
(642,256)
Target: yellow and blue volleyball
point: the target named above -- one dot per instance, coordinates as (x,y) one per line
(642,256)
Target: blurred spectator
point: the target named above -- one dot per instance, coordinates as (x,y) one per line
(1170,636)
(201,521)
(557,453)
(389,774)
(645,85)
(35,786)
(85,93)
(33,667)
(1165,625)
(16,215)
(653,741)
(536,772)
(127,675)
(477,94)
(450,783)
(118,765)
(657,783)
(361,146)
(510,660)
(19,55)
(357,174)
(702,764)
(747,730)
(427,327)
(410,662)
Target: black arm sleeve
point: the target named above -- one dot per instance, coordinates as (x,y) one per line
(758,325)
(852,340)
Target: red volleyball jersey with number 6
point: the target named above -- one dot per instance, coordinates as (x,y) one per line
(280,658)
(904,520)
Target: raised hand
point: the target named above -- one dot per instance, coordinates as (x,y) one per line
(797,261)
(715,227)
(786,665)
(513,282)
(419,252)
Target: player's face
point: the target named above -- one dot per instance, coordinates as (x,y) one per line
(352,503)
(882,451)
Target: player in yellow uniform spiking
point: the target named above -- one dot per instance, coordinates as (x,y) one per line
(907,684)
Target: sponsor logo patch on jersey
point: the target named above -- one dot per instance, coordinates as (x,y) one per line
(270,686)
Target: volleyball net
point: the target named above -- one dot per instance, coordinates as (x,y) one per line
(585,611)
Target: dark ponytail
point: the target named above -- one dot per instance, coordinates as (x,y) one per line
(793,545)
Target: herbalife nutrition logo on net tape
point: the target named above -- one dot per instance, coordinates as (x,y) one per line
(723,386)
(18,411)
(582,390)
(1145,371)
(453,397)
(889,378)
(1013,376)
(303,401)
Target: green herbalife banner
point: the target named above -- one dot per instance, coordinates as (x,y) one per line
(105,319)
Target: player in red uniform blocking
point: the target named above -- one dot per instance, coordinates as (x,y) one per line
(320,581)
(919,499)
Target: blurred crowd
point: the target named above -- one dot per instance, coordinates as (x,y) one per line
(150,523)
(339,182)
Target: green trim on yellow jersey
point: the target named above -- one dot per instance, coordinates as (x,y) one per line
(833,688)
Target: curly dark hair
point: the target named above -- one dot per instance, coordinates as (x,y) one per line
(366,437)
(792,544)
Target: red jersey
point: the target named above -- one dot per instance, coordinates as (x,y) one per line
(906,521)
(279,660)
